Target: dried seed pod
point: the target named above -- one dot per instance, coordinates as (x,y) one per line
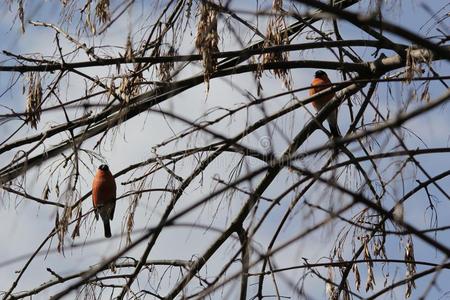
(111,89)
(398,212)
(76,229)
(34,99)
(207,39)
(410,267)
(330,289)
(425,95)
(130,86)
(102,11)
(165,68)
(46,192)
(370,282)
(413,63)
(129,49)
(277,36)
(130,219)
(21,14)
(62,225)
(357,276)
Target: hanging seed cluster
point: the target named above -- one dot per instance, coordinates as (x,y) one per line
(165,68)
(21,15)
(129,54)
(410,267)
(34,99)
(62,225)
(276,36)
(130,86)
(207,39)
(370,282)
(102,11)
(329,287)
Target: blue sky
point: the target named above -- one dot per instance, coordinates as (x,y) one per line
(25,224)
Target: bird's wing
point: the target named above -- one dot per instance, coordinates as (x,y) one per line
(95,196)
(113,200)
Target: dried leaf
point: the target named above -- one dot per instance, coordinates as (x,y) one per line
(21,13)
(357,276)
(398,212)
(46,192)
(62,225)
(413,63)
(330,289)
(76,229)
(57,190)
(130,218)
(409,66)
(425,96)
(57,219)
(370,282)
(113,268)
(129,56)
(89,23)
(410,267)
(130,86)
(111,89)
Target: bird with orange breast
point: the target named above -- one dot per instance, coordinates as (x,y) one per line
(319,83)
(104,196)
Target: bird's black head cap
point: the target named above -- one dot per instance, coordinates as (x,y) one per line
(104,167)
(320,73)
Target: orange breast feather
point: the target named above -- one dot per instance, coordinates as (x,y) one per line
(103,188)
(316,86)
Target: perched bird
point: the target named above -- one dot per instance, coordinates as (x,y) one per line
(104,196)
(319,83)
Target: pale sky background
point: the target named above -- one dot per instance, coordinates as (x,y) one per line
(25,224)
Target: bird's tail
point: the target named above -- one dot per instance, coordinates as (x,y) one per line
(335,130)
(333,123)
(107,227)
